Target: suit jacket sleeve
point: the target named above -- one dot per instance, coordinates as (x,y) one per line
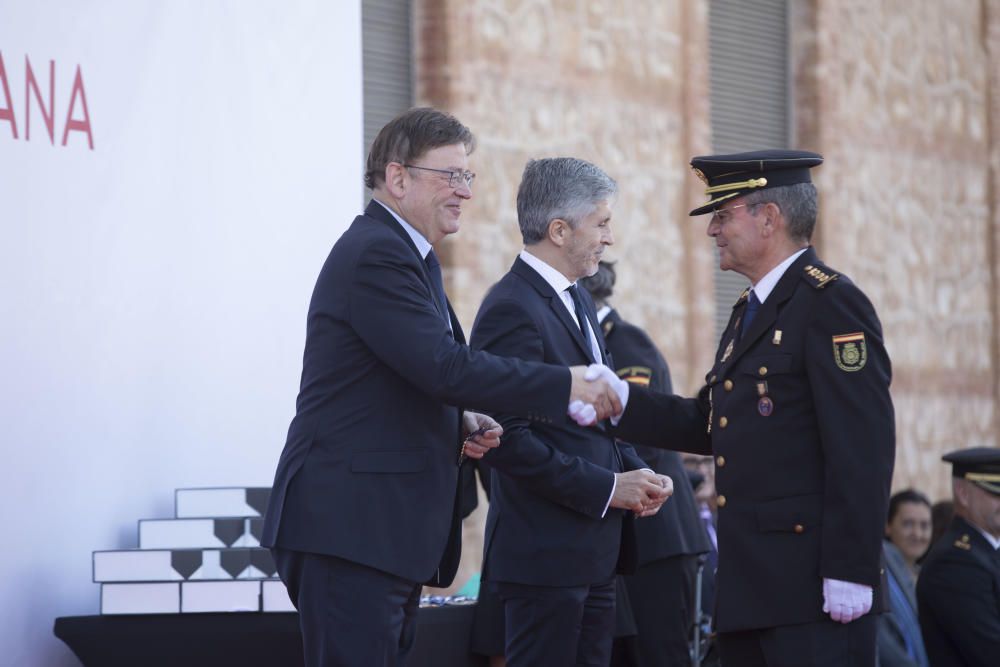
(391,310)
(506,329)
(856,427)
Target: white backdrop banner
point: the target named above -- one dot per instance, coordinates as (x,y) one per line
(172,176)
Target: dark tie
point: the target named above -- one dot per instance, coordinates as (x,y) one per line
(752,306)
(437,282)
(581,315)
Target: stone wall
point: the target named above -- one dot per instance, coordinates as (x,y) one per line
(901,96)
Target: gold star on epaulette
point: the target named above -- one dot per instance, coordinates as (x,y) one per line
(963,543)
(817,277)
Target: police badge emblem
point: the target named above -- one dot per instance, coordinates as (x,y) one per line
(850,352)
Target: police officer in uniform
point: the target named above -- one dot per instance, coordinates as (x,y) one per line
(797,413)
(669,543)
(958,591)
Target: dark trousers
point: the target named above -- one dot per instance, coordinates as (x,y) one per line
(662,597)
(351,615)
(824,643)
(558,626)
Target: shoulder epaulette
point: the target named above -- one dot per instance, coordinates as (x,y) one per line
(818,277)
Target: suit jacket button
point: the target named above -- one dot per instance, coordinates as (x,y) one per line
(762,371)
(720,501)
(720,461)
(723,422)
(799,528)
(728,385)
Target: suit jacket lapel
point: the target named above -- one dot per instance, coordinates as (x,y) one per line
(768,312)
(378,212)
(522,269)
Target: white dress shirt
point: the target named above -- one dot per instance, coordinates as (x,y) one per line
(765,285)
(561,285)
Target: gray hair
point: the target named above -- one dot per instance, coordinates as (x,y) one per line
(564,187)
(798,203)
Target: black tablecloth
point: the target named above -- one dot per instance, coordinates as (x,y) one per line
(242,639)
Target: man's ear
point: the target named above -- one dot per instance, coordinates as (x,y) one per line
(559,231)
(396,179)
(773,219)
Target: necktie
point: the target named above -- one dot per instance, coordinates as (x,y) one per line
(753,304)
(581,315)
(437,282)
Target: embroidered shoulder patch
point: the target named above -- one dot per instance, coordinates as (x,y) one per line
(850,351)
(641,375)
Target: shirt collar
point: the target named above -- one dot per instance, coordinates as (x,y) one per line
(994,541)
(765,285)
(423,245)
(553,277)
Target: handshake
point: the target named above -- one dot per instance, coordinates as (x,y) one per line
(596,393)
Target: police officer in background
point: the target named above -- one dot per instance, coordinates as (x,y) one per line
(797,413)
(669,543)
(958,591)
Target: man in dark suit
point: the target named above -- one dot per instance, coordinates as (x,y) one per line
(670,543)
(958,591)
(562,496)
(798,414)
(364,507)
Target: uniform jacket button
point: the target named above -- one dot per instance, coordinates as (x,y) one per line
(723,422)
(799,528)
(762,371)
(720,501)
(720,461)
(728,385)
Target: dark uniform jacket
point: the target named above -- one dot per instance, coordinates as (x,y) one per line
(958,595)
(676,529)
(369,472)
(798,414)
(551,479)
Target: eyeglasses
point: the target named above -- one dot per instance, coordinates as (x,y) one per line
(454,177)
(724,215)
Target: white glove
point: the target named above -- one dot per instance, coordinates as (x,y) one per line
(846,601)
(582,413)
(595,371)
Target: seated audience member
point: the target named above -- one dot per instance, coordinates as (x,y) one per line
(909,527)
(907,533)
(958,592)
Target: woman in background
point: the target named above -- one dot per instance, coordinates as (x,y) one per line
(908,536)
